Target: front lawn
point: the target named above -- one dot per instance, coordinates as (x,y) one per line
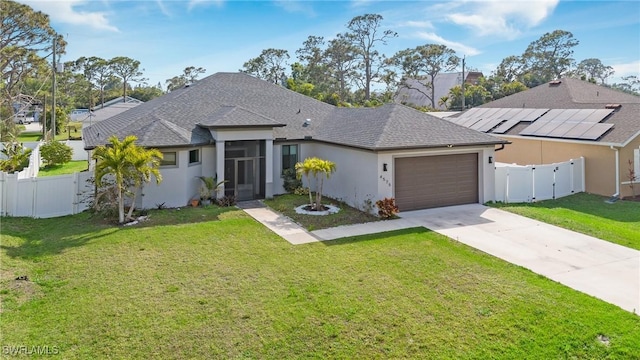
(224,286)
(285,204)
(588,214)
(68,168)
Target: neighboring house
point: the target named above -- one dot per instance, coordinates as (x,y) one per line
(566,119)
(413,92)
(247,131)
(106,110)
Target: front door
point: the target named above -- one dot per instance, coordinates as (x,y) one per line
(241,179)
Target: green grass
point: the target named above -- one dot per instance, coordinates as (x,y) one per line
(68,168)
(286,204)
(74,134)
(213,283)
(30,136)
(588,214)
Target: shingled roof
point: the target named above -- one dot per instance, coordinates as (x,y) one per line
(223,100)
(569,93)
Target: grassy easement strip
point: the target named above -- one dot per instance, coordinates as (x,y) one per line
(68,168)
(588,214)
(29,136)
(228,287)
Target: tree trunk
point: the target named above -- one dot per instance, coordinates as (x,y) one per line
(120,205)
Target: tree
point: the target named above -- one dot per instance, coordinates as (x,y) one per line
(631,85)
(319,168)
(474,95)
(594,69)
(341,63)
(422,64)
(189,76)
(24,36)
(55,153)
(128,70)
(364,34)
(145,93)
(128,164)
(270,65)
(550,57)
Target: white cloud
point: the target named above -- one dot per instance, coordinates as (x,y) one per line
(417,24)
(65,11)
(293,6)
(194,3)
(458,47)
(503,18)
(163,8)
(626,69)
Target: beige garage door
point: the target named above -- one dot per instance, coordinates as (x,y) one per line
(434,181)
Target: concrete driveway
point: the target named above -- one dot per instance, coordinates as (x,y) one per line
(599,268)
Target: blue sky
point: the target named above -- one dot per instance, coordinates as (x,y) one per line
(220,35)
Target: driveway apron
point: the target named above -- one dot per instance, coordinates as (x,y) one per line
(596,267)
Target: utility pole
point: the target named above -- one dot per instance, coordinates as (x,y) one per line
(53,100)
(463,79)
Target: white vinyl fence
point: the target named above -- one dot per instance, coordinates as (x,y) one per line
(45,197)
(516,183)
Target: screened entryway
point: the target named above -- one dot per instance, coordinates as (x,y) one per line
(244,169)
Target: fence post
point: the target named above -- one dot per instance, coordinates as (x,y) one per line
(74,199)
(34,199)
(533,184)
(3,193)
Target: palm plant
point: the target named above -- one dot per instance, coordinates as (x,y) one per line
(211,186)
(305,168)
(315,166)
(128,164)
(326,168)
(145,162)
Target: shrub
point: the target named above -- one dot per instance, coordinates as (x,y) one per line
(301,191)
(55,153)
(387,208)
(290,180)
(17,157)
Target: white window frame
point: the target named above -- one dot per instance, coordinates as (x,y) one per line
(175,164)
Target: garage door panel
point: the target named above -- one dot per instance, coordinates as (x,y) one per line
(433,181)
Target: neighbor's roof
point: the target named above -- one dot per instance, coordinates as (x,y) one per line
(571,93)
(414,91)
(182,118)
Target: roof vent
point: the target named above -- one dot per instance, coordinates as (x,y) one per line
(555,82)
(613,106)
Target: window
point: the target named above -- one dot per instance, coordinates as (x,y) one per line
(169,159)
(194,156)
(289,156)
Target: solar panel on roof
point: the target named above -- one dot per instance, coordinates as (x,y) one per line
(533,128)
(577,130)
(566,115)
(596,131)
(599,115)
(521,115)
(547,128)
(581,115)
(561,130)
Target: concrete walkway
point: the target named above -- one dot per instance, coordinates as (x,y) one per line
(599,268)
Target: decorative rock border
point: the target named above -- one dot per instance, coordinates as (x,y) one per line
(331,210)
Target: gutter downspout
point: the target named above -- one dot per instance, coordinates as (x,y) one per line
(617,194)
